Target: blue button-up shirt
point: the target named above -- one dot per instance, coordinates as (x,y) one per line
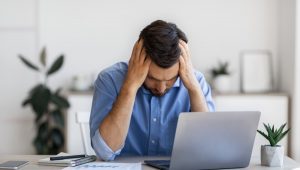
(153,121)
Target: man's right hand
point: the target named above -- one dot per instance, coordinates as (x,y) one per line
(138,67)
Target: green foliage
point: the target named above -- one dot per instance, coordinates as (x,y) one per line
(222,69)
(28,63)
(48,107)
(56,65)
(274,135)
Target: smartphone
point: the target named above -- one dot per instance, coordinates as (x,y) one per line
(13,164)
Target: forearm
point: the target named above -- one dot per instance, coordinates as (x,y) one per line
(114,127)
(197,99)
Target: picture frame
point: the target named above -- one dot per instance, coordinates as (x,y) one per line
(256,71)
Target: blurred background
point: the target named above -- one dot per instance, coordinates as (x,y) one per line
(94,34)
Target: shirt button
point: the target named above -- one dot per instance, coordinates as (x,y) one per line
(153,141)
(154,119)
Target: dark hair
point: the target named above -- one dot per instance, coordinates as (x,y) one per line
(161,42)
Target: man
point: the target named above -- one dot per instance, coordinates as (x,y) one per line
(136,105)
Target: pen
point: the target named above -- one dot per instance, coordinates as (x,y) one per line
(66,157)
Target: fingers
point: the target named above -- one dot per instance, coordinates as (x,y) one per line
(139,49)
(181,62)
(142,56)
(147,62)
(184,51)
(184,44)
(139,56)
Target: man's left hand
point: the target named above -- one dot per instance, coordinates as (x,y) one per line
(186,70)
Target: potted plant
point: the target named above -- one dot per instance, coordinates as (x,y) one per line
(272,155)
(48,107)
(221,77)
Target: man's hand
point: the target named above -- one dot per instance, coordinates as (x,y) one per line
(138,66)
(186,73)
(186,70)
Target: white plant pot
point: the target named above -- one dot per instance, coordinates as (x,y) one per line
(271,155)
(222,83)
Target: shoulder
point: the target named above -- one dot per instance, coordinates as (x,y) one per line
(200,77)
(118,68)
(114,74)
(114,71)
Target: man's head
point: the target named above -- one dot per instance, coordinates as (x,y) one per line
(161,43)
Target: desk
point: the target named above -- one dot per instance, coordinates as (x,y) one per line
(254,165)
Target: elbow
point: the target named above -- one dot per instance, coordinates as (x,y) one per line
(102,150)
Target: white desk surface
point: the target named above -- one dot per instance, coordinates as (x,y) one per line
(289,163)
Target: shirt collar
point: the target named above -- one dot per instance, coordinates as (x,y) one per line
(176,84)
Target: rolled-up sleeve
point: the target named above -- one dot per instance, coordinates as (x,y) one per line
(106,91)
(206,89)
(102,150)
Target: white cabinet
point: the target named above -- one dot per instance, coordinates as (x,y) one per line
(273,108)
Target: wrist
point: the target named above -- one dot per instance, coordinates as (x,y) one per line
(194,88)
(129,88)
(192,84)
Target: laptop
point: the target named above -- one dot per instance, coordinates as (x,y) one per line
(212,140)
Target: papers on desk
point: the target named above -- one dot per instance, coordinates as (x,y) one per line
(67,162)
(107,166)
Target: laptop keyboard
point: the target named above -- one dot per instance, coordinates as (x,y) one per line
(162,164)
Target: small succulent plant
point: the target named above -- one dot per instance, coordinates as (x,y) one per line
(274,135)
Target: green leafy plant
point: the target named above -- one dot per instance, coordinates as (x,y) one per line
(274,135)
(48,107)
(221,69)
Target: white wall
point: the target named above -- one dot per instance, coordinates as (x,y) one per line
(17,36)
(289,52)
(296,95)
(97,33)
(286,53)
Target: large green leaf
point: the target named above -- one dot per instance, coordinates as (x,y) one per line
(28,63)
(58,91)
(57,137)
(40,98)
(60,101)
(58,117)
(26,102)
(43,131)
(40,146)
(56,65)
(43,56)
(35,89)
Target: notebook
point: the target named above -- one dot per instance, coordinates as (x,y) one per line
(67,162)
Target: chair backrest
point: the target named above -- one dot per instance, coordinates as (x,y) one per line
(83,118)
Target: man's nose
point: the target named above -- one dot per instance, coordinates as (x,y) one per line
(161,87)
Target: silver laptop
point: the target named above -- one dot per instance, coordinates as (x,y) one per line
(212,140)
